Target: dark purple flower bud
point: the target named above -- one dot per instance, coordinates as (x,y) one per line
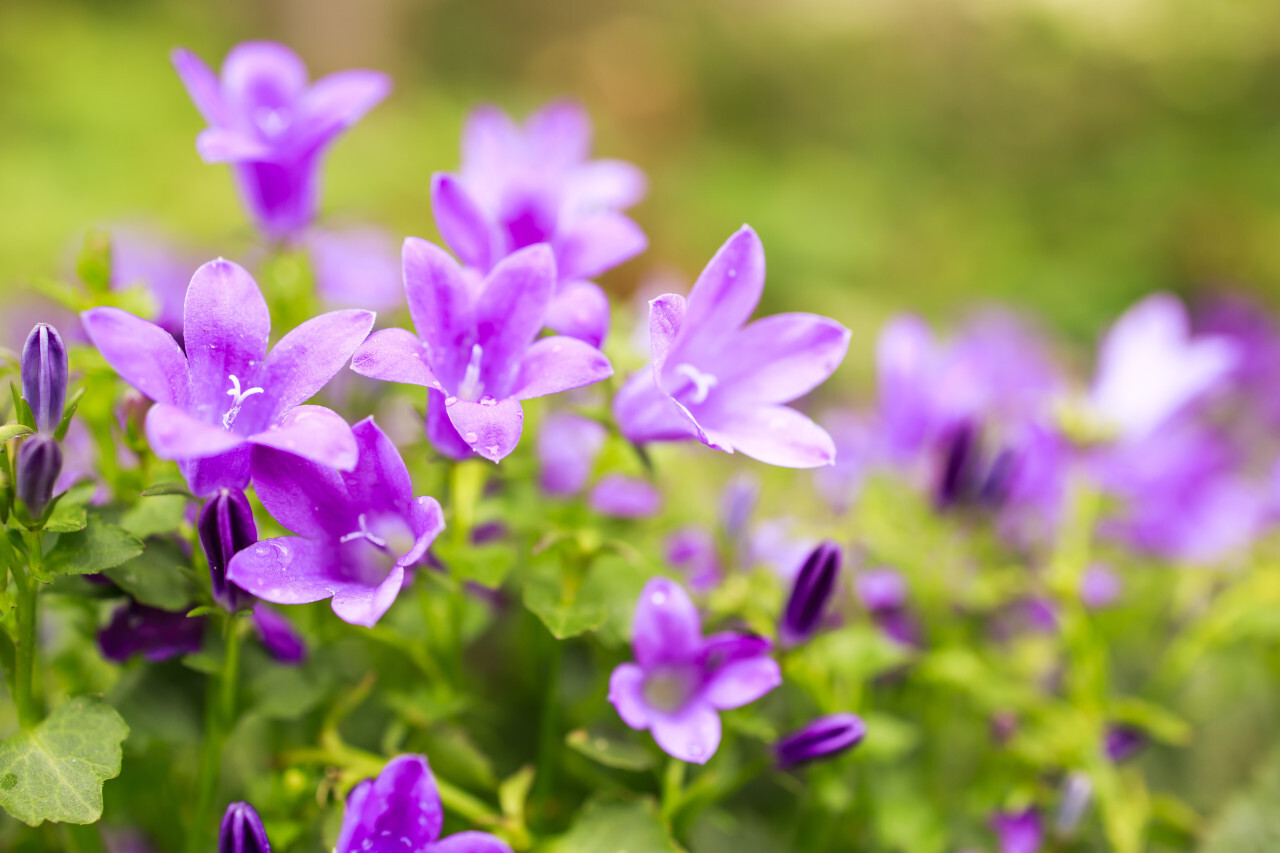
(1123,742)
(153,633)
(1018,832)
(825,737)
(278,635)
(44,376)
(811,593)
(226,528)
(39,464)
(242,831)
(959,459)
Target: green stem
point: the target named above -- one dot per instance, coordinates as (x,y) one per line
(549,737)
(220,713)
(24,687)
(672,788)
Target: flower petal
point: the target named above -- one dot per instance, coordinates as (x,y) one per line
(776,435)
(225,327)
(145,355)
(312,432)
(693,735)
(401,804)
(620,496)
(470,842)
(626,692)
(357,604)
(742,682)
(644,412)
(356,267)
(174,434)
(308,498)
(229,470)
(580,310)
(202,85)
(288,570)
(492,431)
(380,480)
(308,357)
(509,313)
(334,103)
(666,319)
(666,627)
(782,357)
(394,355)
(488,137)
(567,448)
(596,244)
(462,223)
(558,135)
(441,306)
(427,519)
(228,145)
(728,291)
(606,185)
(281,639)
(262,75)
(559,363)
(440,430)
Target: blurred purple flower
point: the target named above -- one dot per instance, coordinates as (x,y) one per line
(141,257)
(153,633)
(567,448)
(1100,587)
(1018,832)
(724,382)
(356,267)
(883,592)
(281,640)
(681,680)
(477,348)
(358,531)
(811,594)
(620,496)
(226,327)
(273,126)
(825,737)
(401,810)
(1123,742)
(693,551)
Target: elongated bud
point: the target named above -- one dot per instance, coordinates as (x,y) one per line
(1123,742)
(825,737)
(39,464)
(811,594)
(242,831)
(1018,832)
(226,528)
(44,376)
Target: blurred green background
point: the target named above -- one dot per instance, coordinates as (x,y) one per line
(1063,155)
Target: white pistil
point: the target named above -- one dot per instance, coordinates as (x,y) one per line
(471,388)
(702,382)
(364,533)
(237,400)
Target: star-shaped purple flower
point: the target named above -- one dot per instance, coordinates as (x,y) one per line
(725,382)
(227,393)
(274,126)
(682,680)
(401,811)
(357,532)
(477,347)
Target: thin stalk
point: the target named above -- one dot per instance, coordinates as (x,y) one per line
(549,736)
(672,788)
(25,694)
(220,712)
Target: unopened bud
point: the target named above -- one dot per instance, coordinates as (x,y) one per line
(825,737)
(814,586)
(44,376)
(38,467)
(226,527)
(242,831)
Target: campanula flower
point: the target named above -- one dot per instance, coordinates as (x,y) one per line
(622,496)
(825,737)
(36,472)
(535,184)
(568,446)
(401,811)
(811,594)
(1099,587)
(1150,366)
(682,680)
(273,126)
(358,532)
(1123,742)
(44,376)
(226,527)
(723,381)
(281,640)
(227,393)
(477,347)
(153,633)
(693,550)
(355,267)
(143,257)
(883,592)
(1018,832)
(242,831)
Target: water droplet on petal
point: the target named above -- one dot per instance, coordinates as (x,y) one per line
(659,598)
(449,401)
(733,273)
(488,401)
(493,449)
(471,438)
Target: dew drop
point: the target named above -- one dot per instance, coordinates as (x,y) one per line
(449,401)
(493,449)
(471,438)
(733,273)
(488,401)
(659,598)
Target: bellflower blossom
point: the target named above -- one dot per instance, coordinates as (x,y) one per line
(401,810)
(227,393)
(273,126)
(358,532)
(1018,832)
(477,348)
(681,680)
(825,737)
(568,445)
(534,184)
(724,382)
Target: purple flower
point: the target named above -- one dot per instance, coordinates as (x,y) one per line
(153,633)
(227,394)
(693,551)
(883,592)
(401,810)
(568,445)
(273,127)
(825,737)
(680,679)
(1123,742)
(477,347)
(44,376)
(226,527)
(356,267)
(140,257)
(36,472)
(1100,587)
(534,184)
(811,594)
(278,635)
(1018,832)
(620,496)
(1150,366)
(242,831)
(358,531)
(724,382)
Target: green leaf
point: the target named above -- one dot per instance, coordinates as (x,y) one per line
(566,612)
(514,792)
(888,738)
(1250,822)
(55,771)
(487,565)
(68,413)
(158,489)
(93,263)
(613,826)
(99,546)
(149,518)
(610,750)
(602,600)
(155,577)
(9,431)
(68,515)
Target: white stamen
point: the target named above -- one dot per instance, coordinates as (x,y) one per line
(237,400)
(471,387)
(702,382)
(364,533)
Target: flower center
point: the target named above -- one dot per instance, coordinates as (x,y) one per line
(668,689)
(237,400)
(702,382)
(270,121)
(471,387)
(364,533)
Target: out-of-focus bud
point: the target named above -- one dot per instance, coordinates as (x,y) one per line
(1018,832)
(226,527)
(811,594)
(44,376)
(39,464)
(1076,793)
(242,831)
(1123,742)
(825,737)
(278,635)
